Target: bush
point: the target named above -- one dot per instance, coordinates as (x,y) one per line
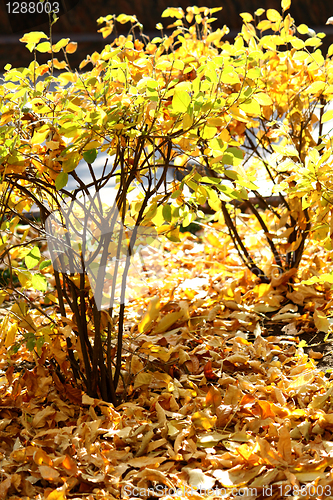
(151,106)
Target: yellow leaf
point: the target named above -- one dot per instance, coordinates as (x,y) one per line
(263,99)
(247,18)
(142,379)
(215,122)
(301,381)
(214,36)
(40,136)
(321,321)
(327,116)
(303,29)
(4,326)
(59,45)
(151,314)
(273,15)
(173,12)
(33,37)
(125,18)
(59,64)
(264,25)
(214,240)
(6,117)
(44,47)
(4,294)
(187,121)
(251,108)
(67,78)
(200,419)
(224,135)
(285,4)
(57,495)
(320,399)
(106,31)
(168,321)
(11,333)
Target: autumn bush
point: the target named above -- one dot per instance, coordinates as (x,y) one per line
(251,113)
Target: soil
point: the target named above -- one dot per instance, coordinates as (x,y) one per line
(315,341)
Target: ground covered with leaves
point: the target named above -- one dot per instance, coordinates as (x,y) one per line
(225,396)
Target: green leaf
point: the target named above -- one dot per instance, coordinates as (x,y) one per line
(31,260)
(90,156)
(45,263)
(31,343)
(232,156)
(39,282)
(181,101)
(61,180)
(167,213)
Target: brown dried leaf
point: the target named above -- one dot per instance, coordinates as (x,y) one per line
(43,416)
(48,473)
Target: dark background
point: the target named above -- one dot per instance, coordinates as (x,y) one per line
(78,21)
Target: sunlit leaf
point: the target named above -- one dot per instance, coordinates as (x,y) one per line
(285,4)
(71,47)
(152,313)
(61,180)
(39,282)
(33,37)
(90,155)
(43,47)
(181,101)
(32,259)
(321,321)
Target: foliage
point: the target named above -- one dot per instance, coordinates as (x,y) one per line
(190,98)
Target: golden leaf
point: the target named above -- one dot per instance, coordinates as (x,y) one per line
(321,321)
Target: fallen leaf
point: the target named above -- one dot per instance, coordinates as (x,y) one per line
(48,473)
(321,321)
(199,480)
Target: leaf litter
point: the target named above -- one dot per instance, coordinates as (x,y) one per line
(222,399)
